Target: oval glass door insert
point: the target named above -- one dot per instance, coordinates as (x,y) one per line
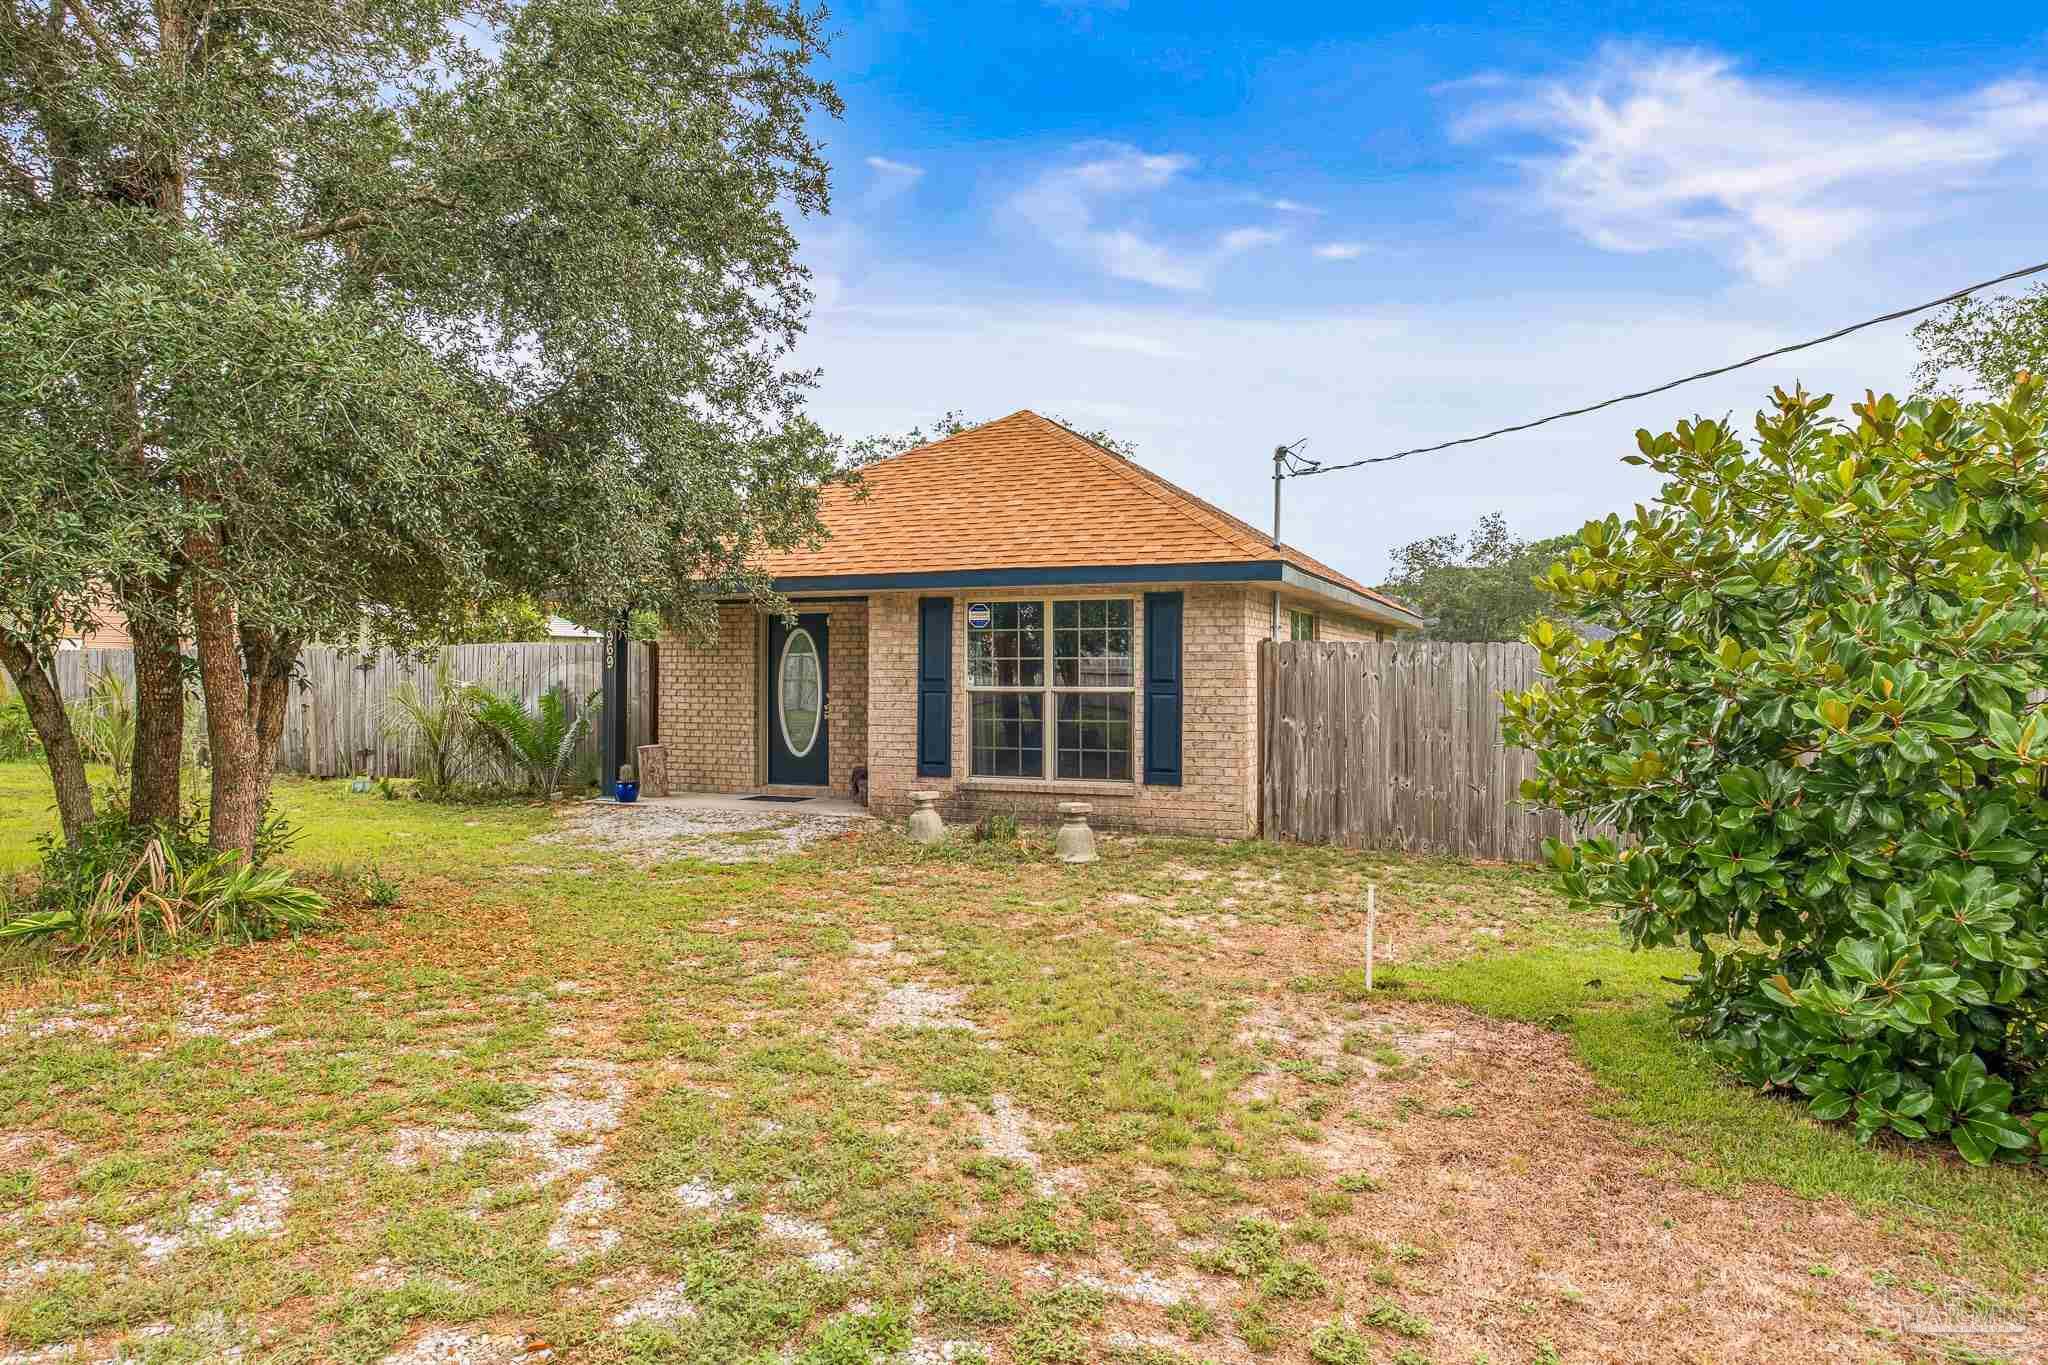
(798,689)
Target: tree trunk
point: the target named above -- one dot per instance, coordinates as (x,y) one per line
(153,793)
(268,660)
(53,727)
(238,785)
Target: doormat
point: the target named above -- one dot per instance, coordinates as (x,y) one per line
(781,800)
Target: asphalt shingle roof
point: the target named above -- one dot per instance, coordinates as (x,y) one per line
(1024,492)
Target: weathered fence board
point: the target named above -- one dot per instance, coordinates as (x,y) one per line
(1398,746)
(338,720)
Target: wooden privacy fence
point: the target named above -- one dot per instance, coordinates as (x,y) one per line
(336,723)
(1398,746)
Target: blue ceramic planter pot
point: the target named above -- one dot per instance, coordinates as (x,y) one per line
(627,791)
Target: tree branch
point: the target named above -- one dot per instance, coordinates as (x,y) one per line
(369,217)
(22,181)
(103,47)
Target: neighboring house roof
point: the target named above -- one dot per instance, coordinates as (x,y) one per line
(1025,493)
(562,628)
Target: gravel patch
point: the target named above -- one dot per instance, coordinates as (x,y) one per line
(932,1351)
(819,1249)
(563,1129)
(670,1303)
(15,1276)
(917,1005)
(227,1207)
(91,1021)
(200,1016)
(1143,1287)
(655,832)
(459,1346)
(701,1194)
(579,1229)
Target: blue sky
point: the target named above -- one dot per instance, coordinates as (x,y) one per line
(1211,228)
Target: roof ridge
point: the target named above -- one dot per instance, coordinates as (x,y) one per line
(948,439)
(1163,490)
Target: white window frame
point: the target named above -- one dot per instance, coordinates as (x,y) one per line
(1296,613)
(1050,692)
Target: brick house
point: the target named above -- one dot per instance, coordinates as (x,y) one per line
(1011,617)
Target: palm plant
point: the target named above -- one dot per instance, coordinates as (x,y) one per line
(104,721)
(439,721)
(109,894)
(538,742)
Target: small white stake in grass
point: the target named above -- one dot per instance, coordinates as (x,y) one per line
(1372,921)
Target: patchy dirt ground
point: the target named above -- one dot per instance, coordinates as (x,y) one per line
(865,1102)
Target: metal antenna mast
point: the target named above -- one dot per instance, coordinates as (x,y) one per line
(1287,464)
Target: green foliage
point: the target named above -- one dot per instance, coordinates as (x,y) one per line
(1051,1332)
(969,1295)
(341,321)
(1483,588)
(1394,1318)
(1034,1226)
(504,620)
(104,721)
(1820,729)
(538,742)
(381,891)
(118,888)
(996,827)
(1335,1344)
(439,720)
(1252,1247)
(1983,344)
(17,735)
(859,1338)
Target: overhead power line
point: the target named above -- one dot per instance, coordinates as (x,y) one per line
(1301,469)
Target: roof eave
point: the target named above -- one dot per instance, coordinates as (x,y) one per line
(1275,571)
(1373,608)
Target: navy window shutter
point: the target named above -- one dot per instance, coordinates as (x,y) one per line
(1162,689)
(934,687)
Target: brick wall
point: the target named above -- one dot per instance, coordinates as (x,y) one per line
(1330,625)
(712,699)
(1221,627)
(708,702)
(847,675)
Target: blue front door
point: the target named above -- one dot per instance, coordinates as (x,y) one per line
(798,721)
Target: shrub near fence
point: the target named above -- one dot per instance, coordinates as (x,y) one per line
(1398,746)
(335,724)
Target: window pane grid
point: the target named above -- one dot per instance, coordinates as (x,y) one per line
(1009,734)
(1091,647)
(1094,736)
(1010,650)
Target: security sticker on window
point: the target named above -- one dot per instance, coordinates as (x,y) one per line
(977,615)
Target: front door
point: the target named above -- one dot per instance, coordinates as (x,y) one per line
(798,689)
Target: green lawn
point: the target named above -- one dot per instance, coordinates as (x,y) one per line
(876,1102)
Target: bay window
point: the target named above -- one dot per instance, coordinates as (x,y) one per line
(1070,661)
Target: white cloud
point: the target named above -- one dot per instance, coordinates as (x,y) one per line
(1340,251)
(1248,239)
(1650,150)
(1291,206)
(1067,204)
(898,170)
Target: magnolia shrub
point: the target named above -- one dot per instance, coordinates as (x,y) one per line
(1819,731)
